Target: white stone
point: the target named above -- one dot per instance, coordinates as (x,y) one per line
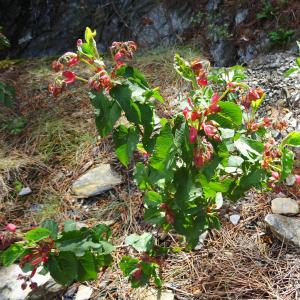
(95,181)
(290,180)
(202,238)
(10,286)
(234,219)
(287,229)
(83,293)
(25,191)
(285,206)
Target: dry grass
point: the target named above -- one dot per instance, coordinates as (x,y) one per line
(60,143)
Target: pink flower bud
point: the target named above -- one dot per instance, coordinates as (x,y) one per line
(11,227)
(202,82)
(215,98)
(118,56)
(186,113)
(79,42)
(73,61)
(275,175)
(193,135)
(297,179)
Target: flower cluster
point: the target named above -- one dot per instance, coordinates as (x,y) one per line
(200,72)
(122,50)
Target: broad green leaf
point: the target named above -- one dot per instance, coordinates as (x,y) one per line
(106,248)
(52,227)
(235,161)
(152,199)
(292,139)
(232,111)
(287,161)
(226,133)
(106,112)
(87,267)
(63,267)
(78,242)
(141,243)
(11,254)
(123,95)
(162,159)
(38,234)
(128,264)
(125,140)
(101,232)
(133,75)
(69,225)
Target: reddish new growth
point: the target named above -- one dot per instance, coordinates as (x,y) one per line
(200,72)
(122,50)
(203,153)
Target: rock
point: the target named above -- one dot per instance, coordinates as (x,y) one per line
(287,229)
(285,206)
(224,53)
(83,293)
(10,286)
(290,180)
(234,219)
(25,191)
(202,238)
(96,181)
(152,294)
(241,16)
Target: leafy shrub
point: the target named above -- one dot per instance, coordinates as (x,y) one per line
(215,148)
(281,36)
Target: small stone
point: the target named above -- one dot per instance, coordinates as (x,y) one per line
(25,191)
(287,229)
(96,181)
(83,293)
(202,238)
(152,294)
(234,219)
(290,180)
(285,206)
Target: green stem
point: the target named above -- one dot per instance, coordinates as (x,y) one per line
(82,79)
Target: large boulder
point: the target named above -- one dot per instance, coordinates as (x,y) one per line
(285,206)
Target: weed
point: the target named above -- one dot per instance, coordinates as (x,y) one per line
(281,36)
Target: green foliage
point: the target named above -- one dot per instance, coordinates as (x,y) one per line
(69,255)
(7,94)
(281,36)
(268,11)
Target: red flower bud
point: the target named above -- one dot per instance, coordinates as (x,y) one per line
(33,285)
(215,98)
(202,82)
(118,56)
(186,113)
(11,227)
(193,135)
(196,115)
(73,61)
(297,179)
(69,77)
(57,66)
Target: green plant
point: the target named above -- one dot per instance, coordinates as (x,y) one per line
(4,42)
(296,68)
(215,148)
(281,36)
(268,11)
(68,255)
(15,125)
(7,94)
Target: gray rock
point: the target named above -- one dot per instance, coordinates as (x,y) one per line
(96,181)
(285,206)
(241,16)
(83,293)
(287,229)
(25,191)
(224,53)
(234,219)
(202,238)
(10,286)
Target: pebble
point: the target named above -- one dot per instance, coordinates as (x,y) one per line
(25,191)
(234,219)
